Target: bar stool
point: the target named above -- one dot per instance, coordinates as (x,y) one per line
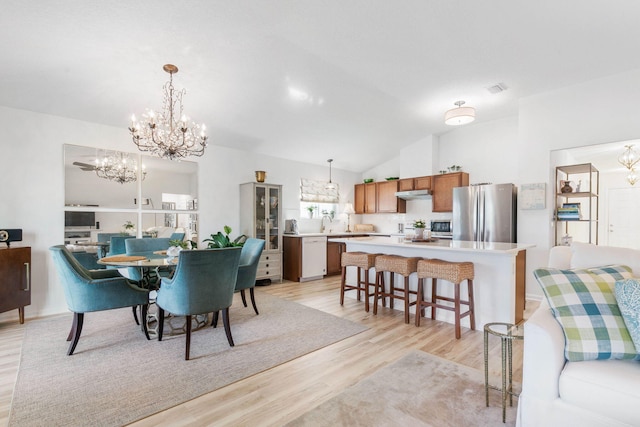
(363,261)
(454,272)
(394,264)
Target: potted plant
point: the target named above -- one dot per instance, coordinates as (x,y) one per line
(128,228)
(311,209)
(419,225)
(220,240)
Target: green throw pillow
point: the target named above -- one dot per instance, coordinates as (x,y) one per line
(584,304)
(628,297)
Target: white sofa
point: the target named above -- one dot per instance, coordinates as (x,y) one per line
(589,393)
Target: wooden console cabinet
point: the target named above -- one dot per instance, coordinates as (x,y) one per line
(15,279)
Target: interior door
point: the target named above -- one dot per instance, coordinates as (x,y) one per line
(623,229)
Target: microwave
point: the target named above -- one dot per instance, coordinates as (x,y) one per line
(442,228)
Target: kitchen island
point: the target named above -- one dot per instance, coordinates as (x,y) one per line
(499,284)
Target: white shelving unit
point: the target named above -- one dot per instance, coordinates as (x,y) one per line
(261,218)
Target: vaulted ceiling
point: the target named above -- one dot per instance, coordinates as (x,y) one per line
(381,73)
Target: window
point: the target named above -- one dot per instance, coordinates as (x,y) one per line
(316,200)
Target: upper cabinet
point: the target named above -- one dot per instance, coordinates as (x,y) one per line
(386,199)
(376,197)
(370,197)
(420,183)
(443,185)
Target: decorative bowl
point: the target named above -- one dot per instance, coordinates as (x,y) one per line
(368,180)
(392,178)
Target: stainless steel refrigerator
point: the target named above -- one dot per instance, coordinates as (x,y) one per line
(485,213)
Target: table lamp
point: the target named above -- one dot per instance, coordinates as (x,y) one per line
(348,209)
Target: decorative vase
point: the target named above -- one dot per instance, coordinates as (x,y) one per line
(566,187)
(260,176)
(419,233)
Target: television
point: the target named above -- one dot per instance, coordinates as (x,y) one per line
(79,219)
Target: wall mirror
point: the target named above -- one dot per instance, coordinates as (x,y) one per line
(105,190)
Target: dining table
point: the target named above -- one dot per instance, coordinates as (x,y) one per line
(172,325)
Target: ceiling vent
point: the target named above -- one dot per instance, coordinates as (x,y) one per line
(497,88)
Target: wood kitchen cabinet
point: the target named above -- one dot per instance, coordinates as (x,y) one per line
(422,183)
(358,198)
(386,199)
(334,255)
(364,198)
(419,183)
(292,258)
(442,187)
(15,279)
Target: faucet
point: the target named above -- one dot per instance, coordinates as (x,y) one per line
(322,221)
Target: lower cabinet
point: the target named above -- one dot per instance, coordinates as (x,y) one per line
(269,266)
(15,279)
(305,258)
(334,254)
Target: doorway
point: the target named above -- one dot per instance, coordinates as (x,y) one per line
(622,228)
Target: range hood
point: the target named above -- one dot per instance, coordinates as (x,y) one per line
(414,194)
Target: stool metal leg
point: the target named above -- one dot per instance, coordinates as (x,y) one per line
(504,378)
(486,366)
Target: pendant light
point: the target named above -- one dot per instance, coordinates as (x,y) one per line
(460,115)
(629,158)
(330,185)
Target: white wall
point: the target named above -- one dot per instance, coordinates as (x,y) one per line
(33,190)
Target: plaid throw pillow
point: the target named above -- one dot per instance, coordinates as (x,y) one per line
(584,304)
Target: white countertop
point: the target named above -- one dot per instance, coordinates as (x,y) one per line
(444,244)
(345,234)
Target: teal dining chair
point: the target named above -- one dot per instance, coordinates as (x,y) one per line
(94,290)
(248,269)
(204,282)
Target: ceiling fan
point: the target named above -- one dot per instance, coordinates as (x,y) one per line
(85,166)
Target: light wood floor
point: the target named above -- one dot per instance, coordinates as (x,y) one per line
(282,393)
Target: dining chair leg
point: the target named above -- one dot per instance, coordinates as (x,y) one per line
(186,354)
(160,323)
(72,331)
(135,314)
(244,297)
(144,309)
(253,300)
(227,327)
(214,320)
(78,318)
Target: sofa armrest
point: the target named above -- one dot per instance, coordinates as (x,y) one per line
(543,355)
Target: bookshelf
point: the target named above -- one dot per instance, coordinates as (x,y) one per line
(576,204)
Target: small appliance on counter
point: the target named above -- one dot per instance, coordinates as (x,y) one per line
(442,228)
(290,226)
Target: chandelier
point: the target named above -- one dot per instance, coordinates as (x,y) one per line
(629,158)
(632,178)
(118,167)
(169,134)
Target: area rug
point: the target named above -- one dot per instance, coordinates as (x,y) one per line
(417,390)
(116,376)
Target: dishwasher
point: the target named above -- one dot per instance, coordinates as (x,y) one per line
(314,258)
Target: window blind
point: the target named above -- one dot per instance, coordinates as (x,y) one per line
(315,192)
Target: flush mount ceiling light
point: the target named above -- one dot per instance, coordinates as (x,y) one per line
(460,115)
(169,134)
(629,158)
(330,185)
